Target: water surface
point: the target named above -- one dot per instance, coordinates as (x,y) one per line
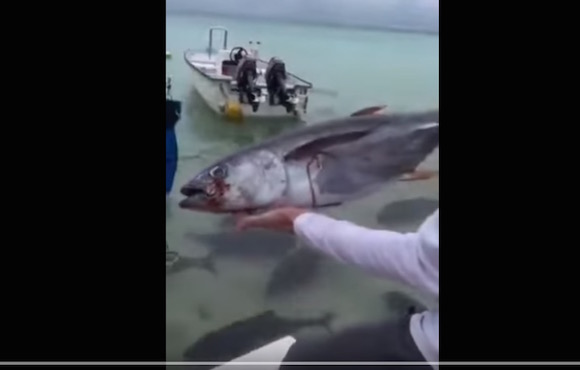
(365,68)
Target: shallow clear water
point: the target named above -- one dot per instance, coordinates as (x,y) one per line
(365,68)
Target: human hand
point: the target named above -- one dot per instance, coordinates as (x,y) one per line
(280,219)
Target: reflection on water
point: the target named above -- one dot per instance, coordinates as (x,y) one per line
(223,276)
(241,134)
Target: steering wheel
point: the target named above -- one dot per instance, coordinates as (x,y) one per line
(240,52)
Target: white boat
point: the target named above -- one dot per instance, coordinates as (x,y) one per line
(236,83)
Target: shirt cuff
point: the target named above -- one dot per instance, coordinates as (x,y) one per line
(301,221)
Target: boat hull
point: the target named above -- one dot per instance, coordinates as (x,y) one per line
(215,94)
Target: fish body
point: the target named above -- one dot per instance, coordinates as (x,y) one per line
(250,244)
(246,335)
(316,166)
(297,269)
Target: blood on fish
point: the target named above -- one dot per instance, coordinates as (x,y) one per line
(220,187)
(312,192)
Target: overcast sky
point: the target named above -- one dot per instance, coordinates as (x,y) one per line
(416,14)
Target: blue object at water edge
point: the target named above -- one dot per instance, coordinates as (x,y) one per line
(173,111)
(171,154)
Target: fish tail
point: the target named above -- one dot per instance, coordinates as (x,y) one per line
(208,263)
(326,321)
(419,175)
(171,257)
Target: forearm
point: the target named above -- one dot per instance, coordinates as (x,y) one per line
(389,254)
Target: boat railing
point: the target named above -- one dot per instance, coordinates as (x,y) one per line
(189,53)
(225,39)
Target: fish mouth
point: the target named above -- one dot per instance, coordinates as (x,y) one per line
(192,190)
(197,199)
(193,194)
(187,203)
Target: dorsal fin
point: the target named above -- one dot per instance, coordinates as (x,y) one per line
(375,109)
(318,145)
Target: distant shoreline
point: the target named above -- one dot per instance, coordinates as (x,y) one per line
(302,22)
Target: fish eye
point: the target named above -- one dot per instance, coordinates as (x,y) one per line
(218,172)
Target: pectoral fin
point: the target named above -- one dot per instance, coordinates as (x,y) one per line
(377,109)
(419,175)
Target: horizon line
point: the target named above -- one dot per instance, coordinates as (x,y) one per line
(397,29)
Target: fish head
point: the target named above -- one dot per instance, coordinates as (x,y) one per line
(240,182)
(209,190)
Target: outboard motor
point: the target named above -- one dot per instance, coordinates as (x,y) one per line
(276,77)
(246,75)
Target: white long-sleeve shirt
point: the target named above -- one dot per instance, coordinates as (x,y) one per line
(412,259)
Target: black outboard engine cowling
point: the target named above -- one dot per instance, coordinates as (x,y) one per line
(276,77)
(246,76)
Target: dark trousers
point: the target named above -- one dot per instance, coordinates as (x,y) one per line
(390,341)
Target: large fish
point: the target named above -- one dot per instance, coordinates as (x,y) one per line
(297,269)
(319,165)
(246,335)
